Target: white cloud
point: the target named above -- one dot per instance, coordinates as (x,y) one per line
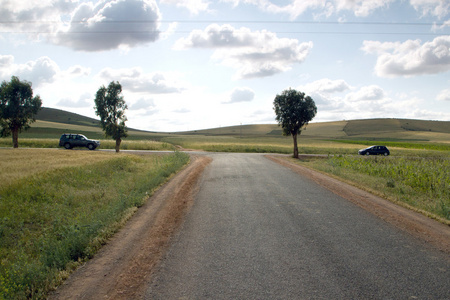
(326,86)
(295,8)
(194,6)
(38,72)
(85,100)
(143,104)
(437,27)
(437,8)
(78,70)
(241,95)
(361,8)
(136,81)
(326,93)
(111,25)
(33,15)
(143,107)
(253,53)
(444,95)
(411,57)
(105,25)
(366,93)
(182,111)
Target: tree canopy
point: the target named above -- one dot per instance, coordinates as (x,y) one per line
(294,110)
(18,107)
(110,107)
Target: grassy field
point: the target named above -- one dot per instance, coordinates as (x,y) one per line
(421,183)
(58,207)
(104,144)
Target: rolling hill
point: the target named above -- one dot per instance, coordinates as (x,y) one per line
(51,123)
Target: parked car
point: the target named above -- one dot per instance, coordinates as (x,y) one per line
(375,150)
(70,140)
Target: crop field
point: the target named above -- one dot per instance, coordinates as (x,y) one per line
(58,207)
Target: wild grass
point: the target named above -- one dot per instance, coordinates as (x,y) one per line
(104,144)
(419,182)
(53,216)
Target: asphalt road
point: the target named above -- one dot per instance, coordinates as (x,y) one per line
(260,231)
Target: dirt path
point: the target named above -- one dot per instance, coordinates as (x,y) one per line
(430,231)
(121,269)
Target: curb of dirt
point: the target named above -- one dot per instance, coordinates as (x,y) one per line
(428,230)
(121,269)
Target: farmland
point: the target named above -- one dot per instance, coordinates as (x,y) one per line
(58,207)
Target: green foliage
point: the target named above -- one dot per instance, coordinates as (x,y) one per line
(53,219)
(18,107)
(293,111)
(423,183)
(110,107)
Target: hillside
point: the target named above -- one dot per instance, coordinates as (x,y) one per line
(60,116)
(51,123)
(370,129)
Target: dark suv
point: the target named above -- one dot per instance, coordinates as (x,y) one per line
(375,150)
(70,140)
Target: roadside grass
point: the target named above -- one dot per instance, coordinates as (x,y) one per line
(104,144)
(397,144)
(59,212)
(421,183)
(260,144)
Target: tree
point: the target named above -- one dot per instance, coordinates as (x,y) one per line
(110,107)
(18,108)
(293,111)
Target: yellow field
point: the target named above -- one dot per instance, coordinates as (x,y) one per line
(18,163)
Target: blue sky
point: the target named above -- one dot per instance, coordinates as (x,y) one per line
(195,64)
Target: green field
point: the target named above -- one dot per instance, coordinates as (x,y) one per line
(57,208)
(340,137)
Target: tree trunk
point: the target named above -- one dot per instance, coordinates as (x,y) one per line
(15,137)
(118,141)
(294,136)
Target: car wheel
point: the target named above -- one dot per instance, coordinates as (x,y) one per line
(67,146)
(91,147)
(386,154)
(367,153)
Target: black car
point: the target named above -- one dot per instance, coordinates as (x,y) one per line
(70,140)
(375,150)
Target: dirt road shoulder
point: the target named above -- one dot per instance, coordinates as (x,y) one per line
(122,267)
(428,230)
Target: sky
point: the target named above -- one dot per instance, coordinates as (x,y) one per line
(197,64)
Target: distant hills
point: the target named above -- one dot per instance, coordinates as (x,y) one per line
(51,123)
(64,117)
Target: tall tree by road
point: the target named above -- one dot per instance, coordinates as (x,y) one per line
(18,107)
(293,111)
(110,107)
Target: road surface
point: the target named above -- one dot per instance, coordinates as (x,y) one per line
(257,230)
